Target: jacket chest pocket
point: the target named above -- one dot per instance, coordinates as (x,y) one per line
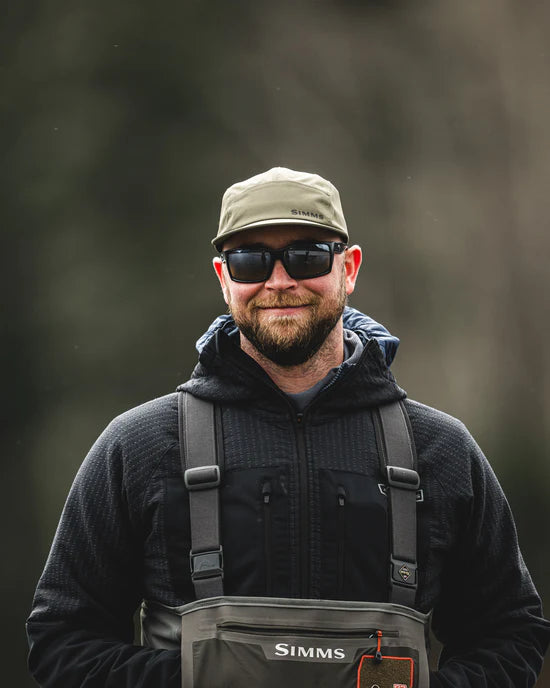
(354,537)
(256,531)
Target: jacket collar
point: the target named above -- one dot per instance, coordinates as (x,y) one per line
(225,374)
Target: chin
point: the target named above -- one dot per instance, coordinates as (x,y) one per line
(283,330)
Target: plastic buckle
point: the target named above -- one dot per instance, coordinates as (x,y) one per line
(384,491)
(403,478)
(206,564)
(202,477)
(403,572)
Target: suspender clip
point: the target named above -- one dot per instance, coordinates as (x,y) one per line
(403,478)
(206,564)
(384,491)
(202,477)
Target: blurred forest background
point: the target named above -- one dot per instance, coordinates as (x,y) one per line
(123,123)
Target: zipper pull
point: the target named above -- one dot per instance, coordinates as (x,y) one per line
(378,653)
(299,418)
(341,495)
(266,492)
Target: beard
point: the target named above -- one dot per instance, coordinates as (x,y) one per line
(290,340)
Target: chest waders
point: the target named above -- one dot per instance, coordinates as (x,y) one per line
(269,642)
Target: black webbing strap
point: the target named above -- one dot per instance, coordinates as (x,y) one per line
(402,485)
(202,479)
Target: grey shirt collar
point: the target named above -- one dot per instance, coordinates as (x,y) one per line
(353,348)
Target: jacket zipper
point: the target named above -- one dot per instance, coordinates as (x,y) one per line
(304,528)
(266,501)
(303,563)
(304,508)
(304,494)
(341,540)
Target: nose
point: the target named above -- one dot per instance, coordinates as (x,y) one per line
(280,279)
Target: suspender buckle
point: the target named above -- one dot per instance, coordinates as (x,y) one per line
(384,491)
(403,573)
(403,478)
(202,477)
(206,564)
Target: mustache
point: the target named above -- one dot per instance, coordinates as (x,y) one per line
(282,301)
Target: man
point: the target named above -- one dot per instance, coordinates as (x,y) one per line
(295,376)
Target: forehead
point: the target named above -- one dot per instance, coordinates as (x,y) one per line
(277,236)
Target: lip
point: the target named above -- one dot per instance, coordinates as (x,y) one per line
(284,310)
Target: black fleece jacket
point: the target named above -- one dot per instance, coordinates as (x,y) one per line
(124,533)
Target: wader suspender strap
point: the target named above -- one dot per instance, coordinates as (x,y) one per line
(201,474)
(402,484)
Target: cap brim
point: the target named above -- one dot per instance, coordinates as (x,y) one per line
(218,240)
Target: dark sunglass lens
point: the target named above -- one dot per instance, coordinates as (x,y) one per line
(308,261)
(249,266)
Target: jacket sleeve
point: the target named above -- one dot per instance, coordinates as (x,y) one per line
(81,626)
(489,618)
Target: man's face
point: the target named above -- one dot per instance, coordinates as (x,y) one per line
(286,319)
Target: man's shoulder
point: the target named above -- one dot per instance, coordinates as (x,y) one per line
(440,437)
(132,446)
(432,419)
(150,426)
(149,411)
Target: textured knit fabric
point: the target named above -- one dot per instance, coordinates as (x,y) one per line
(124,533)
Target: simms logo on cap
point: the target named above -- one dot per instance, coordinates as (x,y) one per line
(308,213)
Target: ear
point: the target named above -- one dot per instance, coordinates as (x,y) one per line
(353,257)
(220,272)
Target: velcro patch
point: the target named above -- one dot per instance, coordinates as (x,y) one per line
(390,672)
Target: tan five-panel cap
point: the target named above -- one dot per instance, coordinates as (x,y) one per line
(280,196)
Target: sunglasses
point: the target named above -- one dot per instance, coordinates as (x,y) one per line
(301,260)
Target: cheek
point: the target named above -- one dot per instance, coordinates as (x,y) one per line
(238,295)
(327,285)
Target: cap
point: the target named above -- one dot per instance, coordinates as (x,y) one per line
(280,196)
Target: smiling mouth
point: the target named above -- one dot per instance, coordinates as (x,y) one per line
(266,305)
(283,308)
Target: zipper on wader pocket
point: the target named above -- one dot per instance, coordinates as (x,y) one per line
(241,627)
(304,507)
(378,653)
(268,545)
(341,534)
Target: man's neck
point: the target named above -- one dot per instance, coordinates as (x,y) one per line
(296,379)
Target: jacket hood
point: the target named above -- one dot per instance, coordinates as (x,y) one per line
(363,325)
(227,375)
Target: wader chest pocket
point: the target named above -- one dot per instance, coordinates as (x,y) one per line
(275,657)
(276,643)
